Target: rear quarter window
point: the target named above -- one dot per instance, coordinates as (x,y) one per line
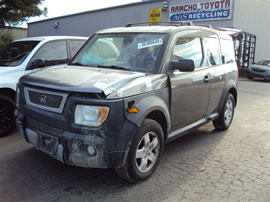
(75,45)
(227,51)
(211,48)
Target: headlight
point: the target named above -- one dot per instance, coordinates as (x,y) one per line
(90,115)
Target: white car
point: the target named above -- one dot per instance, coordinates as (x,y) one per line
(24,56)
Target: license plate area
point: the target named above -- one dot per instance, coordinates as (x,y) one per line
(48,144)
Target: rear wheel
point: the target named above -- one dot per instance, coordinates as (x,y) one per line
(225,118)
(144,153)
(7,119)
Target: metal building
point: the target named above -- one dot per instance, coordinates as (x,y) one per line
(250,16)
(8,34)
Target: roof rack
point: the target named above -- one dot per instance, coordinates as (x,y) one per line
(229,29)
(209,26)
(177,24)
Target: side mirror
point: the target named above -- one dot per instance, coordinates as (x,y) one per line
(37,63)
(183,65)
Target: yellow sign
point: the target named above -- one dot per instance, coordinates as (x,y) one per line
(155,15)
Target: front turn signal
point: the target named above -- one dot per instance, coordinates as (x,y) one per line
(133,109)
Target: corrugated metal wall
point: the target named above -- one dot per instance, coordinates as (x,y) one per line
(17,33)
(253,16)
(86,23)
(213,23)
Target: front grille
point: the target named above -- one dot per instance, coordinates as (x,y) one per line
(46,100)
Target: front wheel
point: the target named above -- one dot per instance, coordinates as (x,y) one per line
(225,118)
(7,119)
(144,153)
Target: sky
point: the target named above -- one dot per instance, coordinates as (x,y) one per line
(65,7)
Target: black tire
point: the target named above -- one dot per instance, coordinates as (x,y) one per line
(225,118)
(7,119)
(137,169)
(250,77)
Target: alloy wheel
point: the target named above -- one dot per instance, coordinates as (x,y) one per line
(147,152)
(228,112)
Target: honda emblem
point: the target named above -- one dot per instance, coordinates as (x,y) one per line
(43,99)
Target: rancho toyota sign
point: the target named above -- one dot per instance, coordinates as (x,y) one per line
(203,11)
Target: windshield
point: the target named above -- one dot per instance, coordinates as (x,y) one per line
(15,53)
(264,62)
(127,51)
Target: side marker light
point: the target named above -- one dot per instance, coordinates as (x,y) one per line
(133,109)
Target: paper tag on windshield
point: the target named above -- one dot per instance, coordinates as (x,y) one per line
(146,44)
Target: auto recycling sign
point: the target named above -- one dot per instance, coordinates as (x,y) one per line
(203,11)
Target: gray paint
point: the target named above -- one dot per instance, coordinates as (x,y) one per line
(57,110)
(155,100)
(180,98)
(91,80)
(140,85)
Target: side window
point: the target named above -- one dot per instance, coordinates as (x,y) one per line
(75,45)
(188,48)
(227,50)
(51,53)
(212,51)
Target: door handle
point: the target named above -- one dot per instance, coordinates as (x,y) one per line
(207,78)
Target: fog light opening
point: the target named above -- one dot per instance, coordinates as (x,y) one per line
(91,150)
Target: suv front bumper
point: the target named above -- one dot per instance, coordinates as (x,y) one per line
(103,147)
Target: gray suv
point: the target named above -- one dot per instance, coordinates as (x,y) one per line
(126,93)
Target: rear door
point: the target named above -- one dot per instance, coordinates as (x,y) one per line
(216,70)
(190,91)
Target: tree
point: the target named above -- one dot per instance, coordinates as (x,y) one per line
(14,12)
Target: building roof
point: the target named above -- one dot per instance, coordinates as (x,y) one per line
(97,10)
(19,28)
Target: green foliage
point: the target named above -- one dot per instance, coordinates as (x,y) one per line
(14,12)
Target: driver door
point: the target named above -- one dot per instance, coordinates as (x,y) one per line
(190,91)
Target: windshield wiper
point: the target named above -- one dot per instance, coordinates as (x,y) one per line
(113,67)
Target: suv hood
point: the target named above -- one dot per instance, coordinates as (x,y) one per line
(81,79)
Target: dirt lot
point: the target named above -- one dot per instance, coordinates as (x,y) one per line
(205,165)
